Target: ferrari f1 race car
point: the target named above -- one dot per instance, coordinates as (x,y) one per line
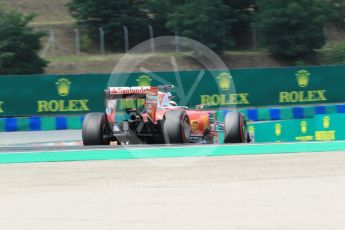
(147,115)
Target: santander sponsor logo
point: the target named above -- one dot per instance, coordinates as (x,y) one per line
(129,90)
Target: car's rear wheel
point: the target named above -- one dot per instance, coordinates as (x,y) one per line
(176,127)
(94,127)
(235,128)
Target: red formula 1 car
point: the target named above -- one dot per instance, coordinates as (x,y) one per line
(146,115)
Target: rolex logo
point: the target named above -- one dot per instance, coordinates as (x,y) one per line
(326,122)
(224,81)
(303,78)
(278,129)
(304,126)
(63,86)
(144,80)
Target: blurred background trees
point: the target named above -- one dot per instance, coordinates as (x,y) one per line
(217,23)
(295,31)
(292,29)
(242,15)
(19,45)
(111,16)
(336,10)
(288,29)
(159,11)
(205,21)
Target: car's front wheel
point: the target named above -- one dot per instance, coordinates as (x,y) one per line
(235,128)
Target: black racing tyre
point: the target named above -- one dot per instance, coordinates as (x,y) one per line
(176,127)
(94,126)
(235,128)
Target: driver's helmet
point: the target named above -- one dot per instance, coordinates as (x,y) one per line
(163,99)
(172,103)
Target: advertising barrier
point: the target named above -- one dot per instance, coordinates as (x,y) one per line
(80,94)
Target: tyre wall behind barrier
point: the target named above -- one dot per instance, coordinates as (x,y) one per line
(37,123)
(318,128)
(40,123)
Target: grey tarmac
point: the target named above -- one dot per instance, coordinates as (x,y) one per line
(287,191)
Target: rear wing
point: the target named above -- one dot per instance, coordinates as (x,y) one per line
(149,93)
(134,92)
(113,93)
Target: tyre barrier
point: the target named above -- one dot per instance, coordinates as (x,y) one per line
(46,123)
(293,112)
(40,123)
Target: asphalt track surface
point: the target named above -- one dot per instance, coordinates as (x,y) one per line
(259,191)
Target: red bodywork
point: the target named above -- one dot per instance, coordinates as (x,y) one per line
(202,123)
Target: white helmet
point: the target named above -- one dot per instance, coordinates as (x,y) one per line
(172,103)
